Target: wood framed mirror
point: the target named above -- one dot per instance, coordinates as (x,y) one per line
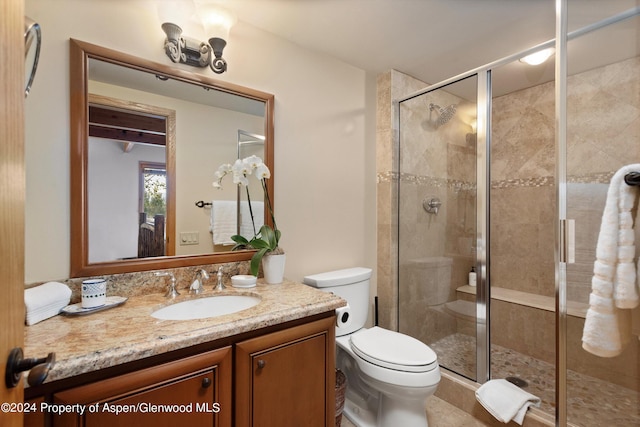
(240,108)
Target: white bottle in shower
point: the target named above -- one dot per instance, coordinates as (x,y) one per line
(472,276)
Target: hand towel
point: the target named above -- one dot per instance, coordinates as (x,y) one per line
(223,221)
(614,285)
(246,226)
(45,301)
(505,401)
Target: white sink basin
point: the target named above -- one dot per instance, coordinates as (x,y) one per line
(202,308)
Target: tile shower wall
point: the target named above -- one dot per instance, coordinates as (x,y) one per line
(444,169)
(603,134)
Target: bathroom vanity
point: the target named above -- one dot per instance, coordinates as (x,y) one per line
(124,367)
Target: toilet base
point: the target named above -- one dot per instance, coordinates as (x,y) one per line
(391,413)
(360,417)
(405,412)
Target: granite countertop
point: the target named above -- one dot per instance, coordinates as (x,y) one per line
(128,332)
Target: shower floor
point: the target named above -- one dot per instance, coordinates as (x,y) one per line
(591,402)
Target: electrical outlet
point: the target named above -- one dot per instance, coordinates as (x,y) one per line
(189,238)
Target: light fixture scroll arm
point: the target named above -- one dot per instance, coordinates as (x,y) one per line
(218,64)
(174,42)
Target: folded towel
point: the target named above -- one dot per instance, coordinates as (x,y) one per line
(614,285)
(505,401)
(45,301)
(246,226)
(223,221)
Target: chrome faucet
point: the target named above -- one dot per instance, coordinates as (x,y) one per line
(197,285)
(172,292)
(219,286)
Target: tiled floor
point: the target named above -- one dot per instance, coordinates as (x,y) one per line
(441,414)
(591,402)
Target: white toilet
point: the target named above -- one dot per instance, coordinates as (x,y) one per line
(389,375)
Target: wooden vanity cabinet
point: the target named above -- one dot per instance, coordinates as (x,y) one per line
(287,377)
(282,375)
(195,390)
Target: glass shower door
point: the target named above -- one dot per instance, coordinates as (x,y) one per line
(437,222)
(603,137)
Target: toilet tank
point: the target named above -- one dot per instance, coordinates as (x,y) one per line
(352,285)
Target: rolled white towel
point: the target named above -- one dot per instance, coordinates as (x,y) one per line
(45,301)
(506,401)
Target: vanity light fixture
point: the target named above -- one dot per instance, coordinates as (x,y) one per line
(182,49)
(538,57)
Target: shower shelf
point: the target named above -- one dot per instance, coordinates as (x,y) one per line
(541,302)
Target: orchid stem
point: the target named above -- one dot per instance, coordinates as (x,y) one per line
(253,224)
(266,195)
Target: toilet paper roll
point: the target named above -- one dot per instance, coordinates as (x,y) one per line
(343,317)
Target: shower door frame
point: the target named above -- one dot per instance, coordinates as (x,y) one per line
(563,235)
(483,180)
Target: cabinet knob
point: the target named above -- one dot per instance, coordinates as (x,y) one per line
(261,363)
(206,382)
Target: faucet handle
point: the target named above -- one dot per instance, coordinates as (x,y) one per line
(220,286)
(172,292)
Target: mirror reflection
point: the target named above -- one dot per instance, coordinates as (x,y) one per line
(151,139)
(128,147)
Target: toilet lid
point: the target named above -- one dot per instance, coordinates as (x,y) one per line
(393,350)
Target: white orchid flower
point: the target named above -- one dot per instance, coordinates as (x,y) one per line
(267,239)
(222,171)
(241,168)
(253,161)
(240,179)
(262,171)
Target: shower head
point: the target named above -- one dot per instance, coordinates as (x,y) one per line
(444,114)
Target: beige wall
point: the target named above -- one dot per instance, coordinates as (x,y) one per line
(324,134)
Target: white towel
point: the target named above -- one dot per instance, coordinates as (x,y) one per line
(45,301)
(223,221)
(506,401)
(614,287)
(246,227)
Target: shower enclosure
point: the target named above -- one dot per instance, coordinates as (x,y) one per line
(505,169)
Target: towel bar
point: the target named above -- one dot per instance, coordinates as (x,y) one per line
(632,178)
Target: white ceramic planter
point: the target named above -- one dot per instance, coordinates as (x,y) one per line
(273,268)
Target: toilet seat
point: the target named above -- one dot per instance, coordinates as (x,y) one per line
(393,350)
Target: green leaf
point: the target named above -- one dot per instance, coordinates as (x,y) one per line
(255,261)
(239,239)
(260,244)
(267,234)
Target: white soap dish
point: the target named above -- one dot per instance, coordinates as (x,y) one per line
(243,281)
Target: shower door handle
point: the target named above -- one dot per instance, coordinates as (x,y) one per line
(568,233)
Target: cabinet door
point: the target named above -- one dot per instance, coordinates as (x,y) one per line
(287,378)
(195,390)
(33,416)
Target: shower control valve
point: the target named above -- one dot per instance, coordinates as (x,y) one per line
(431,205)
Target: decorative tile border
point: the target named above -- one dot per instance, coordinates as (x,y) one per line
(458,185)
